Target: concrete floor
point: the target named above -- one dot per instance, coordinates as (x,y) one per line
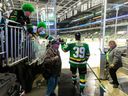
(92,89)
(92,83)
(38,90)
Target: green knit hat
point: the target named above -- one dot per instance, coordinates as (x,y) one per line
(28,7)
(42,24)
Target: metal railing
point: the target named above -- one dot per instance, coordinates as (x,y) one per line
(16,45)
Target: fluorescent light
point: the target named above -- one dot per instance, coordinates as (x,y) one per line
(0,5)
(126,3)
(121,32)
(8,4)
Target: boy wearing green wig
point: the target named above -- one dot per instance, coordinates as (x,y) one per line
(40,31)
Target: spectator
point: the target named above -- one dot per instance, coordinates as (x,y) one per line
(41,31)
(113,57)
(21,17)
(52,67)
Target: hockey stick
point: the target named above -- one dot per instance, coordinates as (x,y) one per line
(102,86)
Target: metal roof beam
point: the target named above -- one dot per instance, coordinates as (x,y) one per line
(63,12)
(60,2)
(65,5)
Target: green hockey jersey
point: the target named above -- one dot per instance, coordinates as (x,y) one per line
(79,52)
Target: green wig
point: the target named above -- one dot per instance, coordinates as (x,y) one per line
(28,7)
(42,24)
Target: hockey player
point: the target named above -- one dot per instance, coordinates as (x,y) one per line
(79,54)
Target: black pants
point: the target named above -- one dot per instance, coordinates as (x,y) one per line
(24,76)
(113,75)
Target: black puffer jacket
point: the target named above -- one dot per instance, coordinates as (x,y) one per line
(51,64)
(18,16)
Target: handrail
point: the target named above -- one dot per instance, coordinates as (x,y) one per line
(17,62)
(2,53)
(13,21)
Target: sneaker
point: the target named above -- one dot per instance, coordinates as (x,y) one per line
(22,94)
(111,82)
(115,86)
(52,94)
(82,94)
(74,82)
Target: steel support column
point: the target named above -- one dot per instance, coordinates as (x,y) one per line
(102,56)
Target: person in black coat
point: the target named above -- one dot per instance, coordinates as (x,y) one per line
(20,16)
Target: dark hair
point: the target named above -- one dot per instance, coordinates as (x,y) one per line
(77,36)
(55,42)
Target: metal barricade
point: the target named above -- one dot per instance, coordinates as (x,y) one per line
(17,45)
(12,44)
(2,45)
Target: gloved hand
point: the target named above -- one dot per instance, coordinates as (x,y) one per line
(111,66)
(55,58)
(61,41)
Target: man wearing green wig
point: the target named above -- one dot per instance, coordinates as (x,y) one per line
(21,16)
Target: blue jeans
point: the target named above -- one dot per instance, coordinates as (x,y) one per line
(51,85)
